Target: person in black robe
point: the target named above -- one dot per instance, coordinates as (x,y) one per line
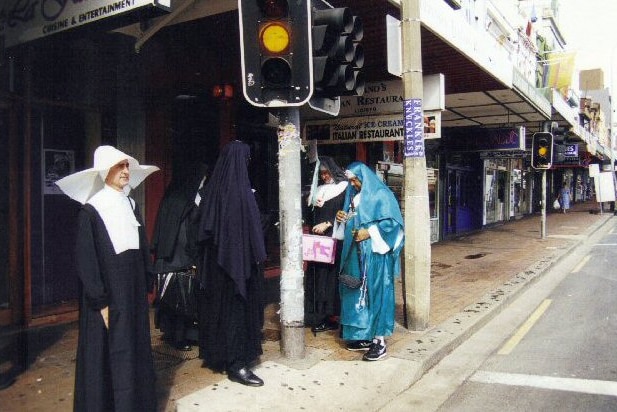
(321,302)
(114,368)
(176,253)
(230,299)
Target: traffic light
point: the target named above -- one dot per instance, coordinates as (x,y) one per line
(276,52)
(542,150)
(338,56)
(559,153)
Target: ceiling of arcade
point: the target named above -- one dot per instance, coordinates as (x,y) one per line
(473,96)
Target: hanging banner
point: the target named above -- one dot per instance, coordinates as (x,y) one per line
(25,20)
(414,128)
(558,69)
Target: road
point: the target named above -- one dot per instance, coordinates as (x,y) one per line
(552,349)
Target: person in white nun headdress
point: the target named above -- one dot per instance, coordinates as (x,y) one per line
(114,366)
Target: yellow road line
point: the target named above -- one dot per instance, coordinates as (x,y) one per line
(581,264)
(526,327)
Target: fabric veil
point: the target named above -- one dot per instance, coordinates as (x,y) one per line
(337,173)
(230,217)
(383,202)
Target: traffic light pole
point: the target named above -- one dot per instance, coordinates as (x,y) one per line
(417,250)
(290,218)
(543,218)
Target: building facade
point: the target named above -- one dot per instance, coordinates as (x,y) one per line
(163,84)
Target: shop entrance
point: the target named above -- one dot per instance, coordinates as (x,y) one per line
(495,193)
(459,195)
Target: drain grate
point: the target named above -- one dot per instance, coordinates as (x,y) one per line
(166,356)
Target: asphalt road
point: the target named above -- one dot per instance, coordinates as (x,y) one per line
(553,349)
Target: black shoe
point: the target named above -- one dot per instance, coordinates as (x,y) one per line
(6,381)
(183,346)
(245,377)
(359,345)
(325,326)
(376,352)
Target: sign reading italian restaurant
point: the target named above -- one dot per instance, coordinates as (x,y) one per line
(25,20)
(366,129)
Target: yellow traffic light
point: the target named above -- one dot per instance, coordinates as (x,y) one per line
(274,37)
(543,151)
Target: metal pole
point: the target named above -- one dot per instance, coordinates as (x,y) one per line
(417,252)
(290,218)
(543,219)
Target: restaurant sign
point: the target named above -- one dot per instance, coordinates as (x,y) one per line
(26,20)
(367,129)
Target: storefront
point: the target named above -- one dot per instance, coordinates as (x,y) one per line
(370,128)
(67,93)
(505,192)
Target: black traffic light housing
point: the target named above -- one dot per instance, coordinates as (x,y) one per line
(559,152)
(542,150)
(338,56)
(275,44)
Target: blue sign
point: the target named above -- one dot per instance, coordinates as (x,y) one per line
(571,150)
(414,128)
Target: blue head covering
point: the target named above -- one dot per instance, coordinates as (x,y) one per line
(383,203)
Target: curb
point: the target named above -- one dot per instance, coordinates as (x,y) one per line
(439,341)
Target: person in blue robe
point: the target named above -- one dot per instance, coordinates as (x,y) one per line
(374,237)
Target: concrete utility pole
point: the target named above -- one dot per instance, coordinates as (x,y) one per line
(290,218)
(417,251)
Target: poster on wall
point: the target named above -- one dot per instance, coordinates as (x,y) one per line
(57,164)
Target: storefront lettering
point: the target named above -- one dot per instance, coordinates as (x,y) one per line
(102,11)
(343,135)
(55,26)
(21,11)
(375,87)
(475,139)
(365,101)
(25,11)
(507,139)
(23,20)
(380,134)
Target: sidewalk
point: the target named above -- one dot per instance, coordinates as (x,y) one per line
(472,277)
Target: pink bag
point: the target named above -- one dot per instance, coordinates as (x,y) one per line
(318,248)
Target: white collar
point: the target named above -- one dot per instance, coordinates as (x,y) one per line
(330,191)
(116,210)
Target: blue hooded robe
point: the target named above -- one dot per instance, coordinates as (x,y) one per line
(368,311)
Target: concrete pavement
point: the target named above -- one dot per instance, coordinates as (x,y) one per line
(322,381)
(472,277)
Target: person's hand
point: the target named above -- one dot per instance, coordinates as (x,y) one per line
(360,235)
(319,203)
(341,216)
(105,314)
(321,228)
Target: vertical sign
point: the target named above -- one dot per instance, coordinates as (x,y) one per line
(414,128)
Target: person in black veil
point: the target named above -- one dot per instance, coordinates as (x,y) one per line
(230,273)
(176,254)
(322,303)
